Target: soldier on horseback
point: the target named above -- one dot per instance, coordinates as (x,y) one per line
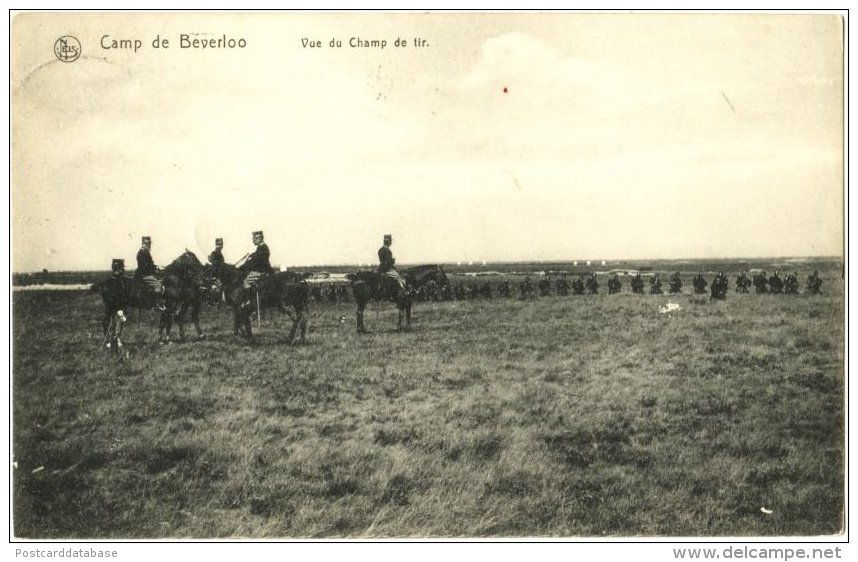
(614,285)
(593,284)
(258,264)
(719,287)
(791,284)
(637,284)
(814,283)
(578,285)
(655,285)
(776,284)
(563,285)
(742,282)
(216,257)
(387,261)
(545,285)
(699,283)
(147,270)
(675,283)
(503,288)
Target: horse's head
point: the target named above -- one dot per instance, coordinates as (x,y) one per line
(422,274)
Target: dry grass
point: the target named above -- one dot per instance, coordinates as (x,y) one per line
(560,416)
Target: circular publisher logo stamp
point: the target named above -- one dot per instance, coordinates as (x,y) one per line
(67,48)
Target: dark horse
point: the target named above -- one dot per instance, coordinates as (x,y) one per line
(280,290)
(182,280)
(370,285)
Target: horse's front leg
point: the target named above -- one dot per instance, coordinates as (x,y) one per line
(408,316)
(180,319)
(195,318)
(165,326)
(302,322)
(236,321)
(248,327)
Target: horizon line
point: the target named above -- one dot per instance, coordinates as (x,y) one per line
(480,263)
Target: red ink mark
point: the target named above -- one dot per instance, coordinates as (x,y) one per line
(505,90)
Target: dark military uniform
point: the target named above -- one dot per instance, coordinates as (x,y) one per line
(116,295)
(145,264)
(259,260)
(216,258)
(614,284)
(655,285)
(637,284)
(593,285)
(526,288)
(386,262)
(776,284)
(503,288)
(719,287)
(675,283)
(545,286)
(742,283)
(791,284)
(814,283)
(563,286)
(761,283)
(699,284)
(385,259)
(578,286)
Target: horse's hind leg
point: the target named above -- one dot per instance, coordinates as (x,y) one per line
(302,322)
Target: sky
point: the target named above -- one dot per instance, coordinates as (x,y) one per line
(505,137)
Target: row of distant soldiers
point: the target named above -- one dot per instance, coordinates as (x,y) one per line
(589,284)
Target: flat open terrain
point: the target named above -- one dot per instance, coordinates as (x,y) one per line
(556,416)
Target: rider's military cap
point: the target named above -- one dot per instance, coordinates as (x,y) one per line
(117,265)
(147,240)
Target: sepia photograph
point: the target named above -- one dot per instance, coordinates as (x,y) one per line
(370,275)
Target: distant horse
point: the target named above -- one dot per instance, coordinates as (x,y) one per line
(370,285)
(280,290)
(182,281)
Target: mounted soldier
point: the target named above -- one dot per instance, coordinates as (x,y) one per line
(655,285)
(147,271)
(791,284)
(593,284)
(776,284)
(675,283)
(503,288)
(814,283)
(614,285)
(719,287)
(761,283)
(526,288)
(637,284)
(578,285)
(562,285)
(545,286)
(699,284)
(258,264)
(216,257)
(742,282)
(387,261)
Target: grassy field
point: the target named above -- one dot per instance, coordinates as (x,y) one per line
(558,416)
